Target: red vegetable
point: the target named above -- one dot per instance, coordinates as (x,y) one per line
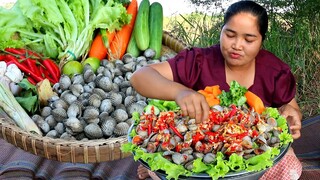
(52,69)
(175,130)
(13,60)
(120,42)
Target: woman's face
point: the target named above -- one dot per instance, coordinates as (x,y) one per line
(240,40)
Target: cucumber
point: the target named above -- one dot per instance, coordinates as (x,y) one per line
(151,109)
(141,27)
(156,27)
(132,47)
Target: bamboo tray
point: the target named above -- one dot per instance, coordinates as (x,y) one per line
(91,151)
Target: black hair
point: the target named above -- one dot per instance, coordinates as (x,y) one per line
(249,7)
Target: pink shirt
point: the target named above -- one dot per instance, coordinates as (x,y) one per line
(197,68)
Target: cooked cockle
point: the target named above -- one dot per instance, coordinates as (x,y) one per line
(124,84)
(129,100)
(93,131)
(127,58)
(58,103)
(37,118)
(77,79)
(128,67)
(44,126)
(90,112)
(131,92)
(100,69)
(128,76)
(99,92)
(74,124)
(120,115)
(135,107)
(67,136)
(118,80)
(46,111)
(115,98)
(59,114)
(81,136)
(149,53)
(94,100)
(52,134)
(89,76)
(103,116)
(68,97)
(121,129)
(75,109)
(106,72)
(76,89)
(107,126)
(93,120)
(51,121)
(60,128)
(130,121)
(106,106)
(64,82)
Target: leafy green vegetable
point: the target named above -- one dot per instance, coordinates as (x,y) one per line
(28,97)
(164,105)
(220,169)
(262,161)
(199,166)
(57,28)
(236,162)
(234,96)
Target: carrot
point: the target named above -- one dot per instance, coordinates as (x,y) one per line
(100,44)
(254,101)
(211,94)
(215,90)
(205,93)
(120,43)
(212,101)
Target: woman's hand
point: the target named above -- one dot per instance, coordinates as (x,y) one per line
(291,112)
(193,104)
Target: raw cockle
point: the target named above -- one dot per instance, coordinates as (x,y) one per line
(95,105)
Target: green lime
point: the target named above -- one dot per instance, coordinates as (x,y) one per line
(72,67)
(94,63)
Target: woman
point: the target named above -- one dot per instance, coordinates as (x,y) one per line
(240,57)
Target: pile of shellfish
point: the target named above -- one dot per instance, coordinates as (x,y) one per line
(95,105)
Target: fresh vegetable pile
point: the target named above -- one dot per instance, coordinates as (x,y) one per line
(234,138)
(59,29)
(34,66)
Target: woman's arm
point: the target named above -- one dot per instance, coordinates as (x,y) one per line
(292,113)
(156,81)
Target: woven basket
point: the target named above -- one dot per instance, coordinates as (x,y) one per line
(91,151)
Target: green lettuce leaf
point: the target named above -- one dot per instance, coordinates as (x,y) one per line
(262,161)
(234,96)
(236,162)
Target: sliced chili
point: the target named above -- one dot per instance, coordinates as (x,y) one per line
(175,130)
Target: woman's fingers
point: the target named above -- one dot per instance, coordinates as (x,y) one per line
(194,105)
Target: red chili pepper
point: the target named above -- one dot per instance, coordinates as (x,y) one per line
(32,64)
(3,58)
(32,81)
(52,68)
(45,74)
(149,128)
(175,130)
(13,60)
(23,52)
(197,137)
(255,133)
